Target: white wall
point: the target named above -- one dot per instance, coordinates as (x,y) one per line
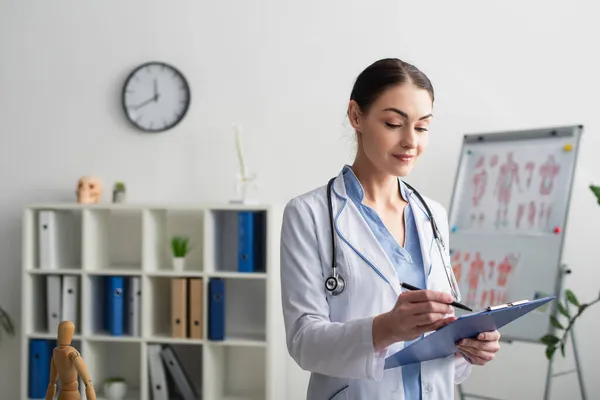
(284,70)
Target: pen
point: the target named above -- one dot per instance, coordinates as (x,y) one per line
(454,303)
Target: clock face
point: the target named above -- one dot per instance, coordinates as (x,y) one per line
(156,97)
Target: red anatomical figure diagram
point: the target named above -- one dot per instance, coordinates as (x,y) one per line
(476,270)
(548,171)
(456,265)
(529,168)
(479,182)
(507,176)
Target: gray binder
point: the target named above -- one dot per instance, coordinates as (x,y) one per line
(70,299)
(53,302)
(47,240)
(135,293)
(182,382)
(158,380)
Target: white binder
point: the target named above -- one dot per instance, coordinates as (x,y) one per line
(159,389)
(70,299)
(182,381)
(47,240)
(53,302)
(135,310)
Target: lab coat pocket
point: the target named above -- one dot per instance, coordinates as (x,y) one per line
(341,394)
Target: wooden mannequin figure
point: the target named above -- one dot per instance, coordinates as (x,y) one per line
(66,366)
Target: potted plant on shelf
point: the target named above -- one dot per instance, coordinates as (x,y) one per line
(180,248)
(553,342)
(115,388)
(119,192)
(6,324)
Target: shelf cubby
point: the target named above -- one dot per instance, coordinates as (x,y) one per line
(188,358)
(55,238)
(236,372)
(227,231)
(39,350)
(97,306)
(108,359)
(52,295)
(113,239)
(245,319)
(166,296)
(161,225)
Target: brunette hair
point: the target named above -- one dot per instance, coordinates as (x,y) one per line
(382,74)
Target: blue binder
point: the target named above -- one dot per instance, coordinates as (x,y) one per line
(216,309)
(442,343)
(251,241)
(115,303)
(40,355)
(246,241)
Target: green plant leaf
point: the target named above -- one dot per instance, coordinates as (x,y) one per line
(562,309)
(180,246)
(571,297)
(562,349)
(550,352)
(596,191)
(555,323)
(550,340)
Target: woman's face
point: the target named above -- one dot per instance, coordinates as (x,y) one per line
(394,133)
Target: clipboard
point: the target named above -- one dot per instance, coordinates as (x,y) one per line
(442,343)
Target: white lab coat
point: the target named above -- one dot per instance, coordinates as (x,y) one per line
(331,336)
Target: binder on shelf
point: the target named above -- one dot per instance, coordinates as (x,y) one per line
(216,309)
(180,378)
(114,305)
(134,294)
(40,355)
(179,307)
(245,241)
(260,241)
(53,302)
(70,299)
(251,241)
(47,240)
(195,307)
(159,389)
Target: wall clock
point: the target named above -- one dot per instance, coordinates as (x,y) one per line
(156,97)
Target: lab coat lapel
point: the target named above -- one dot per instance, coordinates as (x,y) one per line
(356,233)
(424,230)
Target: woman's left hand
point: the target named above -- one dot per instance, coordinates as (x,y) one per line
(481,350)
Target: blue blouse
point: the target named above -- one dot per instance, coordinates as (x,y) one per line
(408,260)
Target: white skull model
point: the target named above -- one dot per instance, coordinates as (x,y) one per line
(89,190)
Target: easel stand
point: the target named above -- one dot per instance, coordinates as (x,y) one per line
(463,395)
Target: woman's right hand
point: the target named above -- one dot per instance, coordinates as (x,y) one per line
(415,312)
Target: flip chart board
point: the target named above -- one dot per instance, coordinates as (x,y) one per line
(507,217)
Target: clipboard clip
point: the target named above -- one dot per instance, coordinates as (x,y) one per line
(512,304)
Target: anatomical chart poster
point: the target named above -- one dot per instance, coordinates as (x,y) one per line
(484,277)
(516,188)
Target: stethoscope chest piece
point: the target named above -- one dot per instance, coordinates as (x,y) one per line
(335,284)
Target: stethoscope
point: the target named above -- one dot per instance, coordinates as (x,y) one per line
(335,284)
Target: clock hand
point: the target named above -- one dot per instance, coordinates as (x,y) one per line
(150,100)
(155,90)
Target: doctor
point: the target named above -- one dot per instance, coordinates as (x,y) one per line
(342,328)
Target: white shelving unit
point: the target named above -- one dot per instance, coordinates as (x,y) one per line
(98,241)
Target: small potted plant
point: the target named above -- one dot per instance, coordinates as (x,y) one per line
(180,248)
(119,192)
(115,388)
